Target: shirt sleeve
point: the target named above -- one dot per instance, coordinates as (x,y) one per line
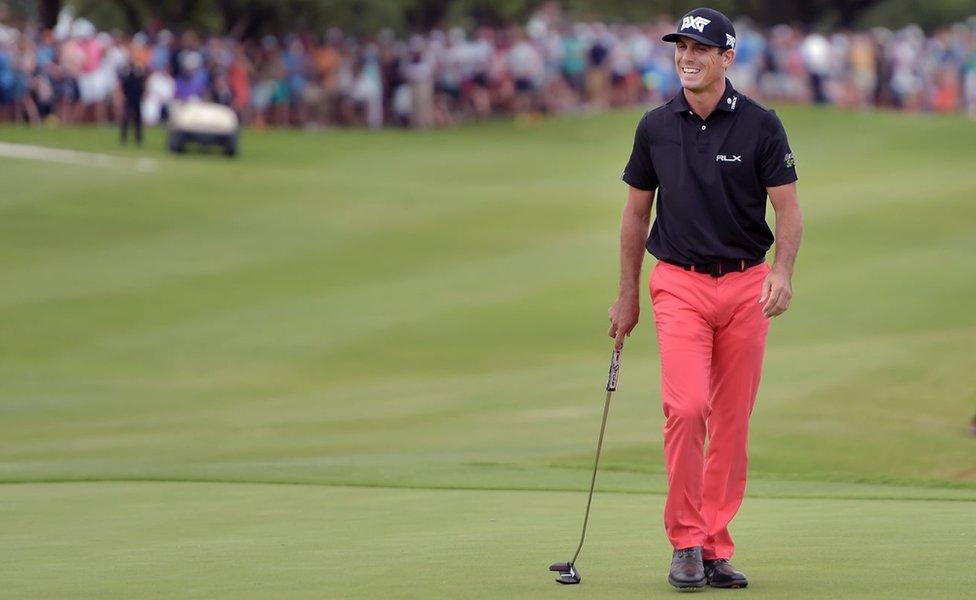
(777,166)
(639,171)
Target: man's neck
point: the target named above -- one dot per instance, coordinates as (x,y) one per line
(703,102)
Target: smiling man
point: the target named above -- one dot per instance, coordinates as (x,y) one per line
(713,156)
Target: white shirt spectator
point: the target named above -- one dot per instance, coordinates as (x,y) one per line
(160,91)
(816,54)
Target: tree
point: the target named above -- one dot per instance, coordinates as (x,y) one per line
(48,13)
(250,18)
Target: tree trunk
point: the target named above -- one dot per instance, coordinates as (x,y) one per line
(132,14)
(48,13)
(850,11)
(426,14)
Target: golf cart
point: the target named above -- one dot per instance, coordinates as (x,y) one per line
(202,123)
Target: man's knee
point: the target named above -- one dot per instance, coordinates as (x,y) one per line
(685,412)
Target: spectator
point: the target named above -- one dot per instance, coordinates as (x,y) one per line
(816,58)
(368,89)
(969,83)
(191,84)
(419,74)
(132,87)
(160,91)
(436,79)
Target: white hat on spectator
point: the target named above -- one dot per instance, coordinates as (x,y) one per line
(62,29)
(82,28)
(537,28)
(191,61)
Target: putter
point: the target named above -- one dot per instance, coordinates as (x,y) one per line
(568,574)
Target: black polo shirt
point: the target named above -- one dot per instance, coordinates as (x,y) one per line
(711,176)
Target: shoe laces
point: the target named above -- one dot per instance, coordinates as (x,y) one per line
(685,553)
(713,565)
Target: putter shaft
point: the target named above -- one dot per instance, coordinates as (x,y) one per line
(611,387)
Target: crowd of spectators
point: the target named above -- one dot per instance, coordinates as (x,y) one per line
(71,73)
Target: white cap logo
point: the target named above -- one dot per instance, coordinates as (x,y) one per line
(697,23)
(729,41)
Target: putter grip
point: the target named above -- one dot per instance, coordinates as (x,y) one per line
(614,371)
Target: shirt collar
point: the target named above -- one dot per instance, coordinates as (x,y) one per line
(728,102)
(729,99)
(678,103)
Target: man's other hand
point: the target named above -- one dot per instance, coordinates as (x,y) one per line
(776,294)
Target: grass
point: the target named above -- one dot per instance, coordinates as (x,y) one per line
(409,328)
(258,541)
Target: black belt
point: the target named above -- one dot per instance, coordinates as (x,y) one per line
(719,267)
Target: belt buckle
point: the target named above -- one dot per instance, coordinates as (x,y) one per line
(715,269)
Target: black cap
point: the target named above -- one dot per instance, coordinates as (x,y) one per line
(705,26)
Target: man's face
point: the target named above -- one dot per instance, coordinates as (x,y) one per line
(699,66)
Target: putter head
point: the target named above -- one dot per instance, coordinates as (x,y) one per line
(568,575)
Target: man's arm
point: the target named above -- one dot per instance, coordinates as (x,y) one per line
(777,289)
(633,235)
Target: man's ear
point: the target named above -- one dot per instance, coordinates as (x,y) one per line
(728,57)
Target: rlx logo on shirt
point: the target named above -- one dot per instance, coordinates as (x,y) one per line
(733,158)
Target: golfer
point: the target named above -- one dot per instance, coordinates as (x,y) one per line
(712,156)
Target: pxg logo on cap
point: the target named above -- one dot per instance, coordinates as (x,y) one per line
(695,23)
(705,26)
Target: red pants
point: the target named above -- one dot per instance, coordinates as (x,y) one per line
(712,335)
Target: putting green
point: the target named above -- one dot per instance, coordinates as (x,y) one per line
(202,540)
(370,364)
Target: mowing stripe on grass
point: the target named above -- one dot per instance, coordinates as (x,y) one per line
(461,488)
(75,157)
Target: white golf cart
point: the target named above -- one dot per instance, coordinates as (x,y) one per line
(202,123)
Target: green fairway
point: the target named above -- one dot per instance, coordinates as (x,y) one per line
(217,540)
(410,328)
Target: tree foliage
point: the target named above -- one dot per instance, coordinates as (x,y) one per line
(249,18)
